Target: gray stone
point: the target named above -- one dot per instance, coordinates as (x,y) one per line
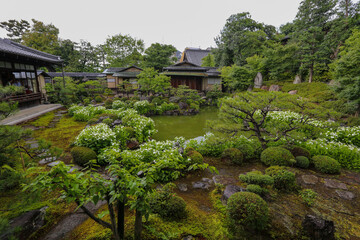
(292,92)
(310,179)
(53,164)
(274,88)
(63,112)
(331,183)
(224,180)
(201,185)
(75,167)
(230,190)
(208,180)
(258,81)
(266,88)
(47,160)
(33,144)
(183,187)
(188,237)
(183,105)
(297,79)
(318,228)
(345,194)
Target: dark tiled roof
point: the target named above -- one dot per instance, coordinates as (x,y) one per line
(87,75)
(12,48)
(119,69)
(195,55)
(126,74)
(186,68)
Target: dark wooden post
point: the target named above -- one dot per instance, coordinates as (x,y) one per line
(63,74)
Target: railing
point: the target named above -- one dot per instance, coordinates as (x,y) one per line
(24,97)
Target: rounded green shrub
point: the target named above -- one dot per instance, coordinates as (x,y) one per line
(130,131)
(167,204)
(256,177)
(247,210)
(284,180)
(108,103)
(188,150)
(326,164)
(196,157)
(98,99)
(277,156)
(108,121)
(82,155)
(256,189)
(297,151)
(86,101)
(302,162)
(234,155)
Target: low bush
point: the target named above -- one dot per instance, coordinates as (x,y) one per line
(188,150)
(167,204)
(246,210)
(142,107)
(108,121)
(297,151)
(10,180)
(234,155)
(308,196)
(256,177)
(108,103)
(98,99)
(326,164)
(195,157)
(284,180)
(82,155)
(277,156)
(302,162)
(254,188)
(118,104)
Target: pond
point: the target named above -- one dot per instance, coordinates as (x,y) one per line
(187,126)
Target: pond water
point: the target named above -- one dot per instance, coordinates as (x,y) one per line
(187,126)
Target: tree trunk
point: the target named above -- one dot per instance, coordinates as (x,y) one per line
(113,219)
(311,73)
(121,219)
(138,225)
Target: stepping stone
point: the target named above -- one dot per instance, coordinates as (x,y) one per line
(75,167)
(53,164)
(63,112)
(183,187)
(224,179)
(201,185)
(345,194)
(310,179)
(33,144)
(47,160)
(330,183)
(230,190)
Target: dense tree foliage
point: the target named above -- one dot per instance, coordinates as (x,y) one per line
(159,55)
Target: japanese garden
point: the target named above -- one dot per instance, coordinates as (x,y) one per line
(257,138)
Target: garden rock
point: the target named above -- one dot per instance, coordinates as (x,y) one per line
(230,190)
(183,105)
(28,223)
(297,80)
(75,167)
(274,88)
(266,88)
(174,99)
(318,228)
(293,92)
(224,180)
(116,123)
(183,187)
(47,160)
(330,183)
(53,164)
(188,237)
(33,144)
(258,81)
(310,179)
(345,194)
(133,144)
(204,184)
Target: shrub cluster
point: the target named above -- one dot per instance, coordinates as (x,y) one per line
(302,162)
(284,180)
(256,189)
(195,157)
(277,156)
(326,164)
(234,155)
(256,177)
(297,151)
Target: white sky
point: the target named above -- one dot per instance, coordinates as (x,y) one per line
(182,23)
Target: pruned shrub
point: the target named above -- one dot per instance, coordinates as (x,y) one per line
(326,164)
(234,155)
(108,121)
(195,157)
(188,150)
(277,156)
(284,180)
(82,155)
(302,162)
(167,204)
(246,210)
(98,99)
(297,151)
(256,177)
(254,188)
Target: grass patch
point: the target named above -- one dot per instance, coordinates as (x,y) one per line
(44,120)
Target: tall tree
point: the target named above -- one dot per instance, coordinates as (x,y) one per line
(123,50)
(15,28)
(312,25)
(240,38)
(159,55)
(208,61)
(42,37)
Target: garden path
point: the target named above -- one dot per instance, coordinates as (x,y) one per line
(29,113)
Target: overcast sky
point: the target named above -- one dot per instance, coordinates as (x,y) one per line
(182,23)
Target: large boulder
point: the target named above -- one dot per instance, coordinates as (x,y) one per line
(297,79)
(318,228)
(258,81)
(274,88)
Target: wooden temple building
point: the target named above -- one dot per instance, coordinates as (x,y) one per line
(189,71)
(116,76)
(18,66)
